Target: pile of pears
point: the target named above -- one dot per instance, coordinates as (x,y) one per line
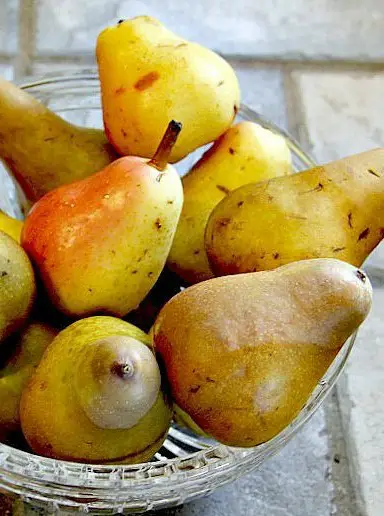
(130,296)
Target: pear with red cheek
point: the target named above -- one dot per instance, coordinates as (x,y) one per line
(100,244)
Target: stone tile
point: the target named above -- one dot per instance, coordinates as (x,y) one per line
(343,114)
(361,399)
(262,89)
(343,29)
(8,26)
(294,482)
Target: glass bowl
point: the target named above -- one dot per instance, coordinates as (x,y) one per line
(187,466)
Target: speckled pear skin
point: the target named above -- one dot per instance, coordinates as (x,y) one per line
(11,226)
(243,353)
(330,211)
(246,153)
(17,286)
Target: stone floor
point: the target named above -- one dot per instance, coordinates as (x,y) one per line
(316,68)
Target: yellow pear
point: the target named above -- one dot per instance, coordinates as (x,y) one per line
(243,353)
(331,211)
(41,149)
(29,347)
(150,76)
(96,396)
(246,153)
(17,286)
(11,226)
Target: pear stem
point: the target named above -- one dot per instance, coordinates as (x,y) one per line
(160,159)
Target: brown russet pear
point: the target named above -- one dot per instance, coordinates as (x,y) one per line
(149,76)
(41,149)
(17,286)
(11,226)
(246,153)
(100,244)
(96,396)
(243,353)
(331,211)
(28,348)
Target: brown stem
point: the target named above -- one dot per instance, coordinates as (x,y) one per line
(160,159)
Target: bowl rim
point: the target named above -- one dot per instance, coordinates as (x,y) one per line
(80,485)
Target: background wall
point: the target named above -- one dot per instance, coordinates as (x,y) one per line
(315,67)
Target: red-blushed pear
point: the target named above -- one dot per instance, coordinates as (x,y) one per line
(100,244)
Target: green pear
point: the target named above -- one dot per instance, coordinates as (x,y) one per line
(243,353)
(96,396)
(17,286)
(149,76)
(42,150)
(29,347)
(246,153)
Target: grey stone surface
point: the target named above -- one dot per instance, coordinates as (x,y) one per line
(342,111)
(361,397)
(344,114)
(296,482)
(8,26)
(262,89)
(321,29)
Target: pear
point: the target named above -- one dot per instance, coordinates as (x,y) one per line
(149,76)
(331,211)
(246,153)
(17,286)
(167,286)
(28,349)
(96,396)
(42,150)
(101,243)
(243,353)
(181,418)
(11,226)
